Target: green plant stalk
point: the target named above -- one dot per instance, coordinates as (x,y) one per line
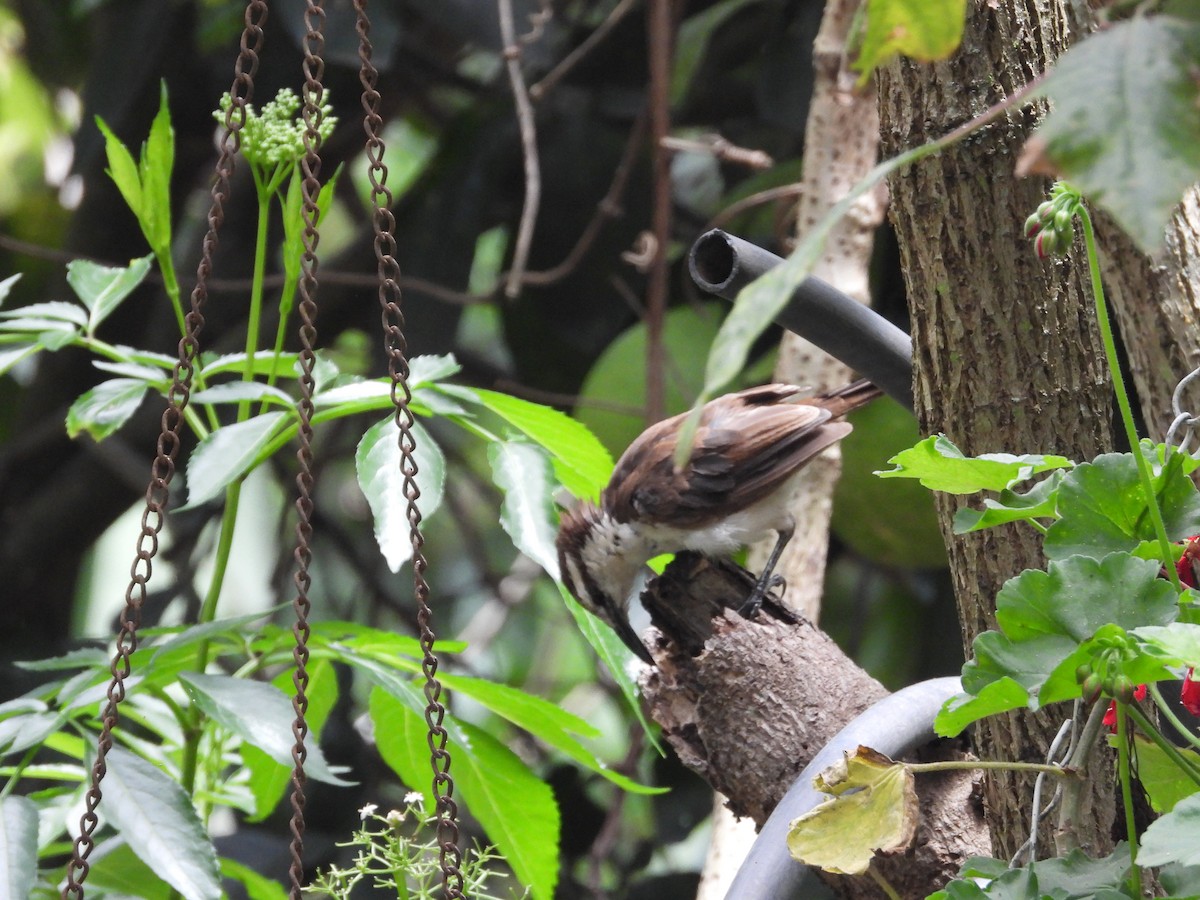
(1066,838)
(884,884)
(1135,873)
(166,267)
(256,296)
(287,300)
(1169,715)
(1114,367)
(28,758)
(992,765)
(1189,767)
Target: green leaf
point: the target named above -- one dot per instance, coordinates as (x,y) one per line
(692,41)
(268,778)
(106,407)
(51,310)
(1077,876)
(430,368)
(266,363)
(102,288)
(158,159)
(258,887)
(6,286)
(152,376)
(1179,643)
(522,472)
(516,809)
(115,870)
(580,461)
(235,391)
(260,714)
(925,30)
(177,647)
(1175,838)
(1165,783)
(18,847)
(157,820)
(1048,621)
(546,721)
(377,462)
(227,454)
(13,355)
(122,169)
(941,466)
(1123,126)
(1039,502)
(1102,508)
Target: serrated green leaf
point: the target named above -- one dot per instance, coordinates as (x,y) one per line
(924,30)
(122,169)
(1039,502)
(260,714)
(158,159)
(377,462)
(269,780)
(6,286)
(178,644)
(1124,126)
(14,355)
(102,288)
(106,407)
(149,374)
(158,821)
(227,454)
(372,393)
(522,472)
(430,368)
(116,871)
(236,391)
(546,721)
(1175,838)
(516,809)
(1102,509)
(266,363)
(1180,641)
(53,309)
(18,847)
(580,461)
(940,466)
(963,709)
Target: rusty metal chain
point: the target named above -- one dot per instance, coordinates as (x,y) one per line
(310,170)
(396,348)
(162,470)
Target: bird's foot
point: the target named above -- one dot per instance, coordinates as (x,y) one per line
(754,602)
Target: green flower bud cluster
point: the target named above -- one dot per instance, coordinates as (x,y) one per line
(1053,225)
(275,136)
(1104,675)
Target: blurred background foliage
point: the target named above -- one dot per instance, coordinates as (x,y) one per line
(68,508)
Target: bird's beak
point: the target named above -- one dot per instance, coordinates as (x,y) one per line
(630,638)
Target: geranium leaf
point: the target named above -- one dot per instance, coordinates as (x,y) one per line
(939,465)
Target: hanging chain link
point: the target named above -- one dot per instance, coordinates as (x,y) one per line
(310,170)
(396,348)
(1182,419)
(162,470)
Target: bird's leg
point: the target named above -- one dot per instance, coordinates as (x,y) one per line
(767,579)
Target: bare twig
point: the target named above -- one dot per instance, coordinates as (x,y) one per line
(533,175)
(717,146)
(609,207)
(556,74)
(783,192)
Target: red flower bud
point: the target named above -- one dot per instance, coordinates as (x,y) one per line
(1186,565)
(1189,694)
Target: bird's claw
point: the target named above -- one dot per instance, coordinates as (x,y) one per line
(754,602)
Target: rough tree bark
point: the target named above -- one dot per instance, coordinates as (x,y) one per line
(1008,356)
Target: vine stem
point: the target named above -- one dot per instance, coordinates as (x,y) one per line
(989,764)
(1114,366)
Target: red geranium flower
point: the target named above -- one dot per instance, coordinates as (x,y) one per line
(1189,694)
(1139,694)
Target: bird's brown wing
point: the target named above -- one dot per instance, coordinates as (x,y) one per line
(748,444)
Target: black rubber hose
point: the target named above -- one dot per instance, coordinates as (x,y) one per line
(869,344)
(896,725)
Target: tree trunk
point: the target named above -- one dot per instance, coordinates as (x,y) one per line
(1008,357)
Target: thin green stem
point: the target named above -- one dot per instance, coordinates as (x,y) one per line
(884,884)
(1114,366)
(256,297)
(1169,714)
(166,268)
(1135,874)
(989,764)
(1189,767)
(29,756)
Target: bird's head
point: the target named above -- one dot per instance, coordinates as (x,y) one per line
(599,559)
